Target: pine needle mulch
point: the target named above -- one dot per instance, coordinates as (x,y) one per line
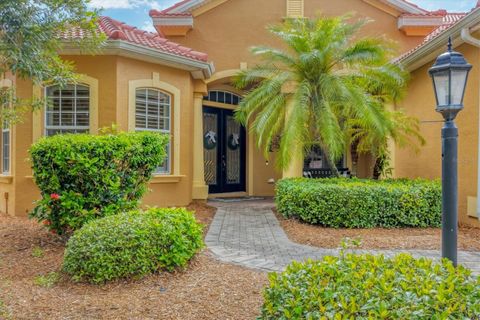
(207,289)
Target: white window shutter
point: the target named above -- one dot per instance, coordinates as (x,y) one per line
(295,8)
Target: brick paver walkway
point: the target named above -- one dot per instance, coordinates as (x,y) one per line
(248,233)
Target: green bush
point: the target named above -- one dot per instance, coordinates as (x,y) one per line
(356,203)
(82,177)
(132,244)
(372,287)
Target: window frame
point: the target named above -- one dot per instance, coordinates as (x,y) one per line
(168,161)
(37,116)
(6,128)
(175,129)
(83,129)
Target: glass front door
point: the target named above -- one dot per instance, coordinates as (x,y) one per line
(224,151)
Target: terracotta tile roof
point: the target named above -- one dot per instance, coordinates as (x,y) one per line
(437,13)
(116,30)
(449,20)
(155,13)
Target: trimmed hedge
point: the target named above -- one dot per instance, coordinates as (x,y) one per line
(372,287)
(356,203)
(82,177)
(132,244)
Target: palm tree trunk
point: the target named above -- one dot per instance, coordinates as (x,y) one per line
(377,168)
(354,156)
(332,166)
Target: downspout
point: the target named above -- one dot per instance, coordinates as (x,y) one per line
(468,38)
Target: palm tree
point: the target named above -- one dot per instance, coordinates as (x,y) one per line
(402,129)
(340,82)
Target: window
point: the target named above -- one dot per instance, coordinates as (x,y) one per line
(67,109)
(5,148)
(5,138)
(223,97)
(152,113)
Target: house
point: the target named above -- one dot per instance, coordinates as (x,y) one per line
(166,82)
(463,28)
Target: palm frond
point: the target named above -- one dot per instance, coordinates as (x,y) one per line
(342,85)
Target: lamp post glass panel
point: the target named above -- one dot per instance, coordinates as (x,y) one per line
(449,74)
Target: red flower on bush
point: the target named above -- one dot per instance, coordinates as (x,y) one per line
(47,222)
(54,196)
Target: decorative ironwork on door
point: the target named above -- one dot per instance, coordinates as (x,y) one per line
(210,145)
(233,151)
(224,151)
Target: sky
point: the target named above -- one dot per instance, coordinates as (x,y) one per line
(135,12)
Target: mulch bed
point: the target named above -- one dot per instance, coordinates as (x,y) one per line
(377,238)
(207,289)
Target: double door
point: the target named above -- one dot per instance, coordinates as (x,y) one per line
(224,151)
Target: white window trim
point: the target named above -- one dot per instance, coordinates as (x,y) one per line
(74,127)
(169,151)
(7,172)
(6,83)
(175,95)
(38,123)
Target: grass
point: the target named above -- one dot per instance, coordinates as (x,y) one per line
(37,252)
(48,280)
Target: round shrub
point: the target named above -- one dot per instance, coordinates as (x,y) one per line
(357,203)
(82,177)
(372,287)
(132,244)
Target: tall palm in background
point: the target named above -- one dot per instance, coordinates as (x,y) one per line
(328,88)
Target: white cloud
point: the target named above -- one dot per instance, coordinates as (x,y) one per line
(128,4)
(148,26)
(110,4)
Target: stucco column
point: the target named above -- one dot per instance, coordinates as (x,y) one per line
(295,169)
(199,188)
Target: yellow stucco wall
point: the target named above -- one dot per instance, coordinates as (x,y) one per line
(113,74)
(7,186)
(420,102)
(382,23)
(163,193)
(228,31)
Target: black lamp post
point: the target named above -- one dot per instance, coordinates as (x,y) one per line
(449,75)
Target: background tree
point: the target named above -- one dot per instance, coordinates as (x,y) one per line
(30,44)
(341,82)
